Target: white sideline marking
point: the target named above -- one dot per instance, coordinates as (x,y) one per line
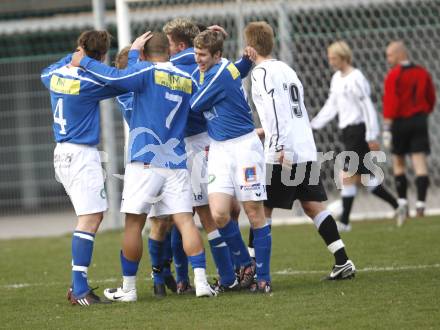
(290,272)
(285,272)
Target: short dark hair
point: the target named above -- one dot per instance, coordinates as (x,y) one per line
(95,43)
(158,45)
(211,40)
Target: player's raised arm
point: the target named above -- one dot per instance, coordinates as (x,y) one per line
(47,72)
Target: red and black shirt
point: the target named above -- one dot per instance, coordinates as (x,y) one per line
(408,90)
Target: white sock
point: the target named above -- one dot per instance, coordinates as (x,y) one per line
(200,275)
(128,283)
(251,252)
(402,201)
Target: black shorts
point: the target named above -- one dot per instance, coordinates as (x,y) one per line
(283,191)
(353,137)
(410,135)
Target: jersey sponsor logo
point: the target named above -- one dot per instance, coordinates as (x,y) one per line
(173,82)
(233,70)
(250,174)
(252,187)
(65,85)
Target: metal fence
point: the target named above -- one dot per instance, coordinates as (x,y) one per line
(27,181)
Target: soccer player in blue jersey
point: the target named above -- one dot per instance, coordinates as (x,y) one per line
(156,175)
(236,160)
(181,33)
(75,96)
(161,273)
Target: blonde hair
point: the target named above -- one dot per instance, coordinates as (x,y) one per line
(259,35)
(342,49)
(181,30)
(121,59)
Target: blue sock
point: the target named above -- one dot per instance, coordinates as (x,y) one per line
(232,236)
(129,268)
(156,250)
(198,261)
(167,256)
(222,258)
(180,258)
(235,259)
(82,249)
(262,246)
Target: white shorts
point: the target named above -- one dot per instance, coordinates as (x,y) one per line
(236,167)
(155,191)
(78,168)
(197,148)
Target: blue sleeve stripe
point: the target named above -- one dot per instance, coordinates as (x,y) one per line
(211,82)
(122,77)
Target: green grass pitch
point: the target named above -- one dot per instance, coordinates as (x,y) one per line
(397,285)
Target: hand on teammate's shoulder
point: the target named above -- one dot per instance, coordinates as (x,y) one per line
(250,53)
(77,57)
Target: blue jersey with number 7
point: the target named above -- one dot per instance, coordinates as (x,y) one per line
(75,96)
(160,108)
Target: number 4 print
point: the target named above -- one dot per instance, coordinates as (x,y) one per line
(58,117)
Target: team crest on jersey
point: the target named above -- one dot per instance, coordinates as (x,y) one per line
(250,174)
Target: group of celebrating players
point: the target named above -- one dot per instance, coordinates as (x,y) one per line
(192,146)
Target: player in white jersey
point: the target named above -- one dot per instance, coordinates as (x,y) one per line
(290,150)
(75,96)
(349,98)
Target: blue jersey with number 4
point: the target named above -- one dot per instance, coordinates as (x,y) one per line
(75,96)
(221,99)
(160,108)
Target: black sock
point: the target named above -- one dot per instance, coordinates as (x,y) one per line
(384,194)
(251,238)
(329,233)
(401,185)
(422,184)
(347,203)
